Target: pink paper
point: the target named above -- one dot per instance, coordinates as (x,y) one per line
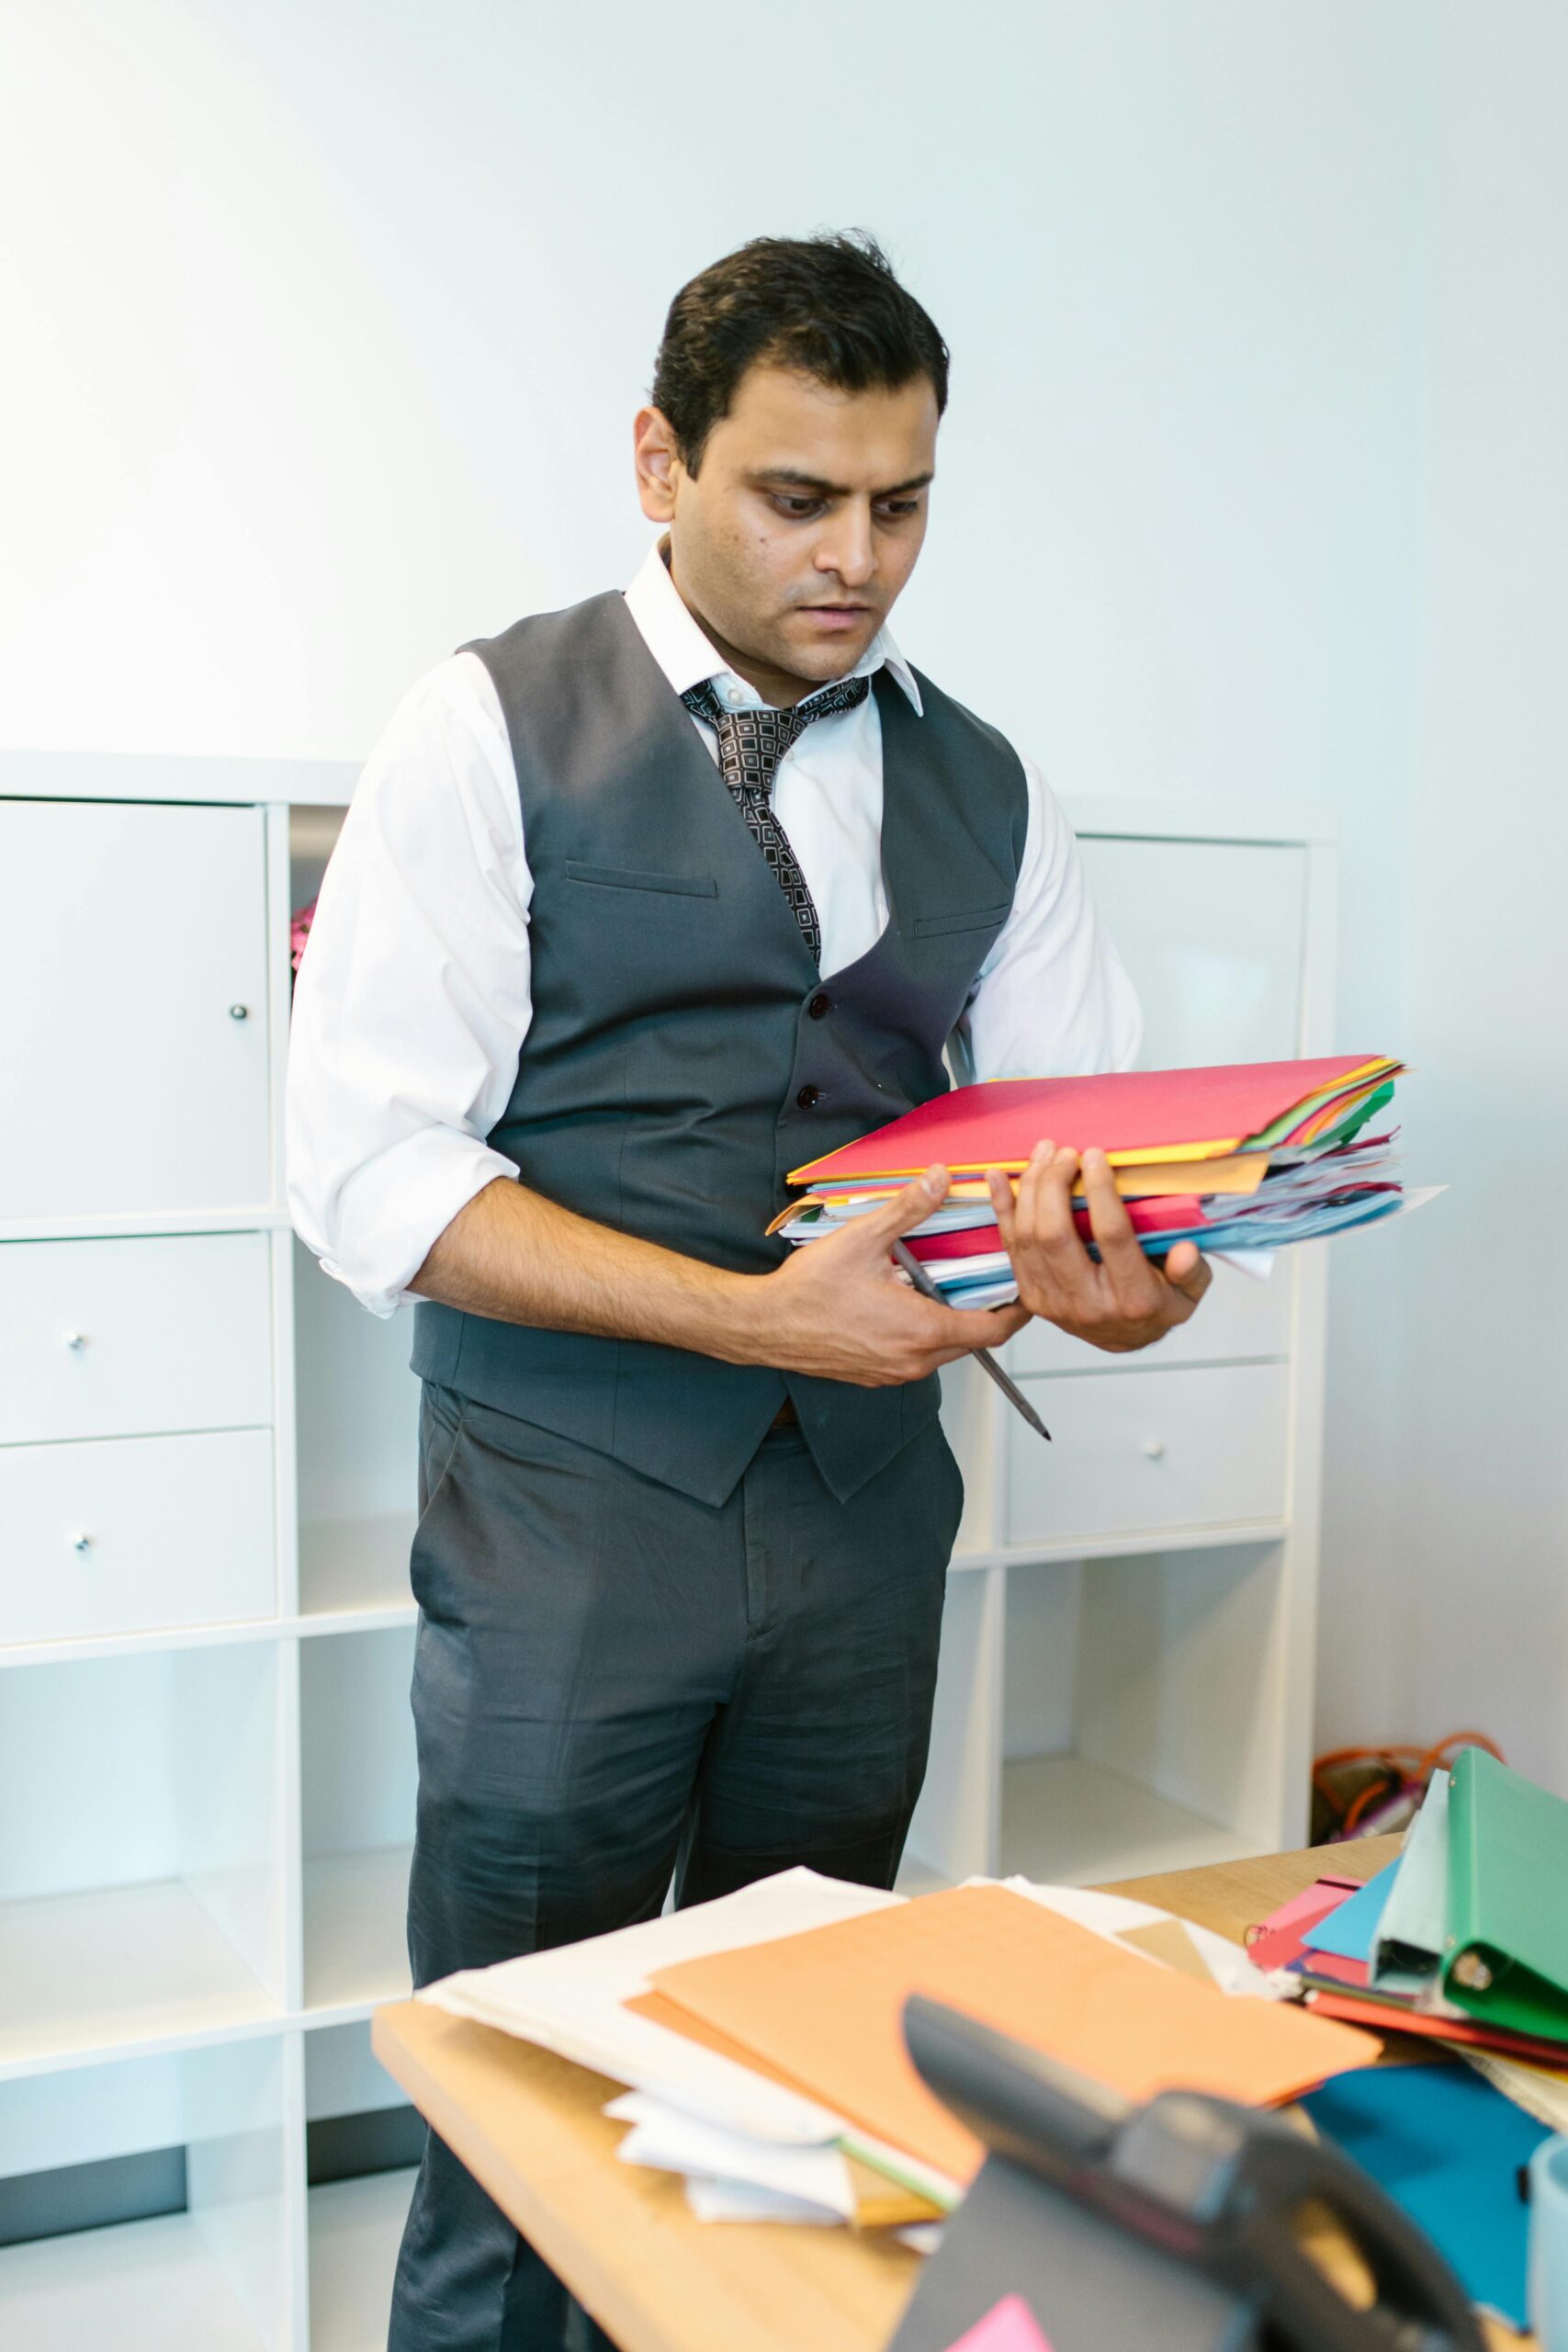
(1007,2327)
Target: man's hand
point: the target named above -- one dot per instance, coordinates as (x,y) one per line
(842,1309)
(1125,1302)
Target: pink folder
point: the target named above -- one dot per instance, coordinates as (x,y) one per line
(1277,1940)
(1131,1115)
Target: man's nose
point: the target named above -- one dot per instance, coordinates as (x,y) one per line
(845,547)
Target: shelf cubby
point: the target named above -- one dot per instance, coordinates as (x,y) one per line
(141,1872)
(1131,1715)
(355,2224)
(355,2227)
(211,2277)
(357,1417)
(358,1780)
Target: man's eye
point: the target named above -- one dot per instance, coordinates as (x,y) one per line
(894,510)
(798,509)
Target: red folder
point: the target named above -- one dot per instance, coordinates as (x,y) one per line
(1130,1115)
(1172,1212)
(1396,2017)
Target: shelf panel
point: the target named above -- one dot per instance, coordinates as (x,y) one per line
(355,2229)
(142,2287)
(1067,1822)
(355,1934)
(354,1572)
(1124,1544)
(114,1969)
(175,775)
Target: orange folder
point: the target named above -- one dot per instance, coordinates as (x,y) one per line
(822,2010)
(1132,1116)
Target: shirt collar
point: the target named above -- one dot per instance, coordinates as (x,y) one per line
(687,658)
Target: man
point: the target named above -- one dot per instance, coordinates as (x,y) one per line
(637,907)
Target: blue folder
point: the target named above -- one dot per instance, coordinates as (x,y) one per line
(1449,2149)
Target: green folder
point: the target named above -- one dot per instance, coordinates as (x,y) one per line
(1506,1952)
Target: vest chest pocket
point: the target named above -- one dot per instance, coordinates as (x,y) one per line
(969,919)
(627,877)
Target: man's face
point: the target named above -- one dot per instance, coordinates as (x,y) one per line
(793,542)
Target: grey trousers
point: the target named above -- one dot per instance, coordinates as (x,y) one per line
(615,1685)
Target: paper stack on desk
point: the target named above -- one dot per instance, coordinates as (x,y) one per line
(759,2035)
(1243,1158)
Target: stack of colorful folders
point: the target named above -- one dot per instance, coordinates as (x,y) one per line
(1463,1939)
(1245,1156)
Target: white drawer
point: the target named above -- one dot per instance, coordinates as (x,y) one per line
(1147,1449)
(178,1530)
(1240,1320)
(122,1338)
(133,1009)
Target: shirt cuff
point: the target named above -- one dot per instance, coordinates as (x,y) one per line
(391,1212)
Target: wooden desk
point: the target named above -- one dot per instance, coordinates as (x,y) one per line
(528,2125)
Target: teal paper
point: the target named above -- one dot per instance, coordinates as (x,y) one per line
(1349,1930)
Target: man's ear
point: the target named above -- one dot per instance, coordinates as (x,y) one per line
(658,462)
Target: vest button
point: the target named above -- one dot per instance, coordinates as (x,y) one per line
(808,1097)
(821,1004)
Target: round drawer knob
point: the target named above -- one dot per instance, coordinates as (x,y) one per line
(81,1543)
(238,1012)
(75,1341)
(1154,1448)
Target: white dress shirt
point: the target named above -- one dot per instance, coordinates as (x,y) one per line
(413,1000)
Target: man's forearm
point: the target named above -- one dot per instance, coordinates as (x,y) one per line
(515,1256)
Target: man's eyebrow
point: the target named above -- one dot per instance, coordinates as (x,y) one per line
(792,478)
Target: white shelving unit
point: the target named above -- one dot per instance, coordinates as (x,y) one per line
(1127,1656)
(206,1492)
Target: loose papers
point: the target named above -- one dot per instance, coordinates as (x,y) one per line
(824,2010)
(750,2144)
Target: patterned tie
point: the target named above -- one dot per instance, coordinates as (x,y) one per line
(751,745)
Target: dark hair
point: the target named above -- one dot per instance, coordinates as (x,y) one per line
(829,305)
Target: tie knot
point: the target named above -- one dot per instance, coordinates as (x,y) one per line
(752,743)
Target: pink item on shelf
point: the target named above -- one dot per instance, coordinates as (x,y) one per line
(298,933)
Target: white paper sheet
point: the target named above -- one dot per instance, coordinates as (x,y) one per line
(920,2237)
(568,2000)
(670,2141)
(737,2200)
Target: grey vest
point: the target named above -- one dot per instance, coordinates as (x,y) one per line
(683,1054)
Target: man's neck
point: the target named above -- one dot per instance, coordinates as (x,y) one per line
(781,688)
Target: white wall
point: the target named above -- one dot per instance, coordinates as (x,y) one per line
(325,320)
(1471,1625)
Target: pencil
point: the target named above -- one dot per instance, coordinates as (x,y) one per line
(982,1356)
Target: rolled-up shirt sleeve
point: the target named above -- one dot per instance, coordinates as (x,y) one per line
(1052,999)
(412,998)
